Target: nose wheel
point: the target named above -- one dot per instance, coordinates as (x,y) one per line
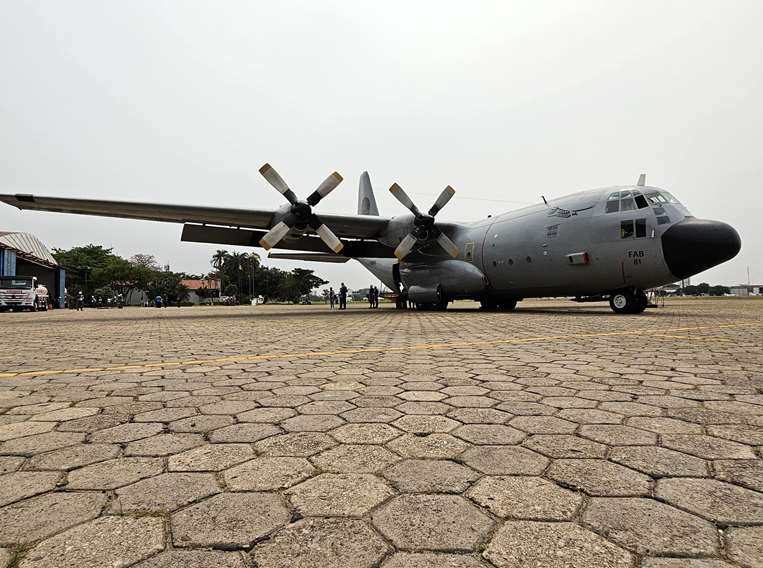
(628,301)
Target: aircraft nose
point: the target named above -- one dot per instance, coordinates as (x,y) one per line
(693,245)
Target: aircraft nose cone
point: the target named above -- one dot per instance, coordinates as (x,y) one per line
(693,245)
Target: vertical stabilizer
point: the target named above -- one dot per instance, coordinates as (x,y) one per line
(366,199)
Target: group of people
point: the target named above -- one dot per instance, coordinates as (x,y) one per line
(341,298)
(373,297)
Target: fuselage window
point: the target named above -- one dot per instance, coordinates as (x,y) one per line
(663,220)
(613,203)
(641,201)
(626,229)
(640,228)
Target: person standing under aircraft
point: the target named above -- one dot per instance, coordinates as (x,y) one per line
(376,297)
(343,297)
(332,297)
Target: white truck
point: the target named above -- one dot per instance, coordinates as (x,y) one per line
(22,293)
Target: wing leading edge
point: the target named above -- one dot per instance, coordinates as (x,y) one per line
(350,226)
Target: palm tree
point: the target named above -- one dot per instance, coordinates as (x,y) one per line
(218,261)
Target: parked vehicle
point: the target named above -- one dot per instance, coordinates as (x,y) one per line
(22,293)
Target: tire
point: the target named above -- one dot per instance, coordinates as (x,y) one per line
(507,305)
(628,302)
(488,305)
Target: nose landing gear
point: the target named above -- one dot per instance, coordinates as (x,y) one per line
(630,301)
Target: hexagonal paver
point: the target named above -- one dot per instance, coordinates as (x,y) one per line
(520,544)
(40,517)
(74,456)
(212,457)
(505,460)
(296,444)
(355,458)
(684,563)
(114,473)
(338,494)
(718,501)
(707,447)
(434,446)
(372,414)
(618,435)
(201,423)
(432,522)
(489,434)
(165,492)
(23,484)
(311,423)
(590,416)
(543,425)
(194,559)
(125,433)
(563,446)
(366,433)
(425,424)
(479,415)
(163,444)
(229,520)
(21,429)
(107,541)
(662,425)
(433,560)
(268,474)
(650,527)
(599,477)
(748,473)
(522,497)
(40,443)
(247,433)
(659,462)
(745,545)
(328,543)
(430,476)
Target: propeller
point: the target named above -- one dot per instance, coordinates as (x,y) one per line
(424,228)
(300,215)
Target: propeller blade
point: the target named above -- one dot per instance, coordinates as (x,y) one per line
(277,182)
(274,236)
(405,246)
(328,185)
(448,246)
(403,198)
(442,201)
(328,237)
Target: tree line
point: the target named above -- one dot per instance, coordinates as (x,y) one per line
(97,271)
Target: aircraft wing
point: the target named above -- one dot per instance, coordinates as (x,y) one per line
(351,226)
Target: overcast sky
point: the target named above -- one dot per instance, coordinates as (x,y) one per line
(181,102)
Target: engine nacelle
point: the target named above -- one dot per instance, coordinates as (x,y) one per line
(449,279)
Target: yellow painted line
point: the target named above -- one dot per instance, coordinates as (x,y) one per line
(649,332)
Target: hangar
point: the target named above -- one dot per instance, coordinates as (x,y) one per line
(23,254)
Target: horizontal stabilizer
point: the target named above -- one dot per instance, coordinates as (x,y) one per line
(316,257)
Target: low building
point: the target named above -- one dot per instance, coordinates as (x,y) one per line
(202,290)
(744,290)
(23,254)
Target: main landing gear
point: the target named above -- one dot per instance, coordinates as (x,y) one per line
(630,301)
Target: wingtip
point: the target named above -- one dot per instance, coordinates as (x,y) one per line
(265,244)
(265,168)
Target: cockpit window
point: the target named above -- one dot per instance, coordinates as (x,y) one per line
(627,200)
(613,202)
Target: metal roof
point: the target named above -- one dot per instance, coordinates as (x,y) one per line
(27,245)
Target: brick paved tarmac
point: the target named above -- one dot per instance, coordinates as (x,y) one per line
(556,436)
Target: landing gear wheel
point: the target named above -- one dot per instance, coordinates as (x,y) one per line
(507,305)
(488,305)
(627,302)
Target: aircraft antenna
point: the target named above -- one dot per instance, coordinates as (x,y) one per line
(543,197)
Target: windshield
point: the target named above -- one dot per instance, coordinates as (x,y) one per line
(658,197)
(18,283)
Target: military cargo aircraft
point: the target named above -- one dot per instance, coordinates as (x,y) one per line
(603,244)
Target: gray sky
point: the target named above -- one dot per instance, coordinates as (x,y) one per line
(183,101)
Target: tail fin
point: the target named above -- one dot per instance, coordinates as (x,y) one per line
(366,199)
